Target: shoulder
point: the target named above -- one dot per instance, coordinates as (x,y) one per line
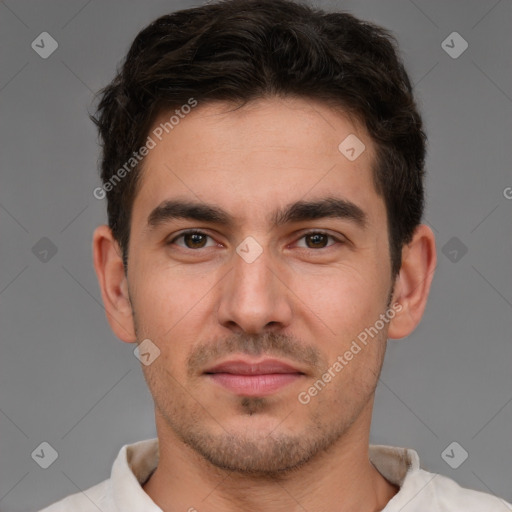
(90,500)
(442,494)
(420,490)
(452,497)
(122,491)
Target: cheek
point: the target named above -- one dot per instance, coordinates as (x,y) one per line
(171,307)
(166,298)
(344,298)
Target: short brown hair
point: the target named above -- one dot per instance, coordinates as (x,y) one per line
(243,50)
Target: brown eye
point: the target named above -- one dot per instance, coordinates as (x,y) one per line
(316,240)
(195,240)
(192,240)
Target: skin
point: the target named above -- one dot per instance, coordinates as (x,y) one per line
(303,300)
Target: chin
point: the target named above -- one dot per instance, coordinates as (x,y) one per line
(262,456)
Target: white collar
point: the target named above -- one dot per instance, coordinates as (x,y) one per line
(136,462)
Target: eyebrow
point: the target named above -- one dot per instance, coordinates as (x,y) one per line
(328,207)
(300,211)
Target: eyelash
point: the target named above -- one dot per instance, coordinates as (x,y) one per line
(309,233)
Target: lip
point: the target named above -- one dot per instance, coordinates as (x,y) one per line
(248,367)
(254,378)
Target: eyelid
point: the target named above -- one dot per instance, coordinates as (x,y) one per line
(338,237)
(192,231)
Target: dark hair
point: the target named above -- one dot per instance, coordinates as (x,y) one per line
(243,50)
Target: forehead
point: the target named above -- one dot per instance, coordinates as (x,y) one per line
(258,155)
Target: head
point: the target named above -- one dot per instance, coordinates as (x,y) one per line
(233,120)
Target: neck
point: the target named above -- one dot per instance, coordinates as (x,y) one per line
(342,479)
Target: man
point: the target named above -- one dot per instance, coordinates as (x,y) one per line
(263,165)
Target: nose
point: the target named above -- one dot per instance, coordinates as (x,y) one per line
(254,297)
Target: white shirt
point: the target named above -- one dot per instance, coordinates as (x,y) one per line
(420,491)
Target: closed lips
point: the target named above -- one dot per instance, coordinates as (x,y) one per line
(269,366)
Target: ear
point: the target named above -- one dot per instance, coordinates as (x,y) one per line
(113,283)
(413,282)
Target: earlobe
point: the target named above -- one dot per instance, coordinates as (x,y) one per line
(113,283)
(413,282)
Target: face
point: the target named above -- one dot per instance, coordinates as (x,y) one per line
(258,256)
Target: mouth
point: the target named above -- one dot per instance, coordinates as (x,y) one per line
(254,378)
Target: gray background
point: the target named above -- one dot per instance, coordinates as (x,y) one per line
(66,380)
